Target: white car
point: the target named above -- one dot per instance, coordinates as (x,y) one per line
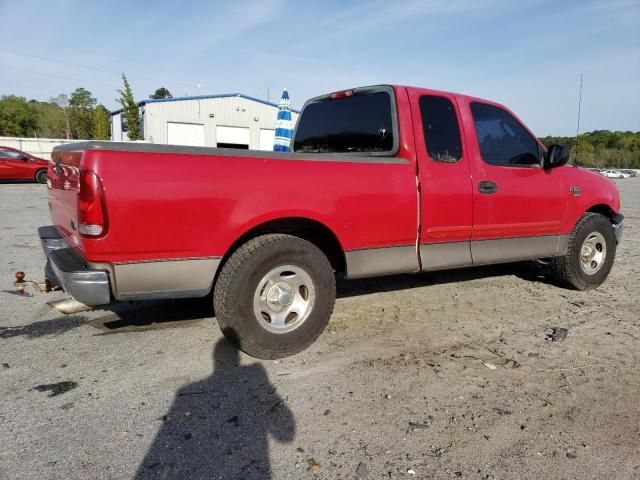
(615,174)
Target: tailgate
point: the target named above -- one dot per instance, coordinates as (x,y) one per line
(63,194)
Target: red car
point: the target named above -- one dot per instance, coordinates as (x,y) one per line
(18,165)
(381,180)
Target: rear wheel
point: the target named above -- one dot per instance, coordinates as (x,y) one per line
(590,254)
(274,296)
(41,176)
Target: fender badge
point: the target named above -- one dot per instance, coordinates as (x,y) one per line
(575,191)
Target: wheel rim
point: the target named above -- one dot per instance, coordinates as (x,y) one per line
(284,299)
(593,253)
(41,177)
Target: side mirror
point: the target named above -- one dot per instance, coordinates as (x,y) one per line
(24,158)
(557,156)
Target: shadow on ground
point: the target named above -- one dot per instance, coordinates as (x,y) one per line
(55,326)
(154,315)
(121,318)
(219,427)
(529,271)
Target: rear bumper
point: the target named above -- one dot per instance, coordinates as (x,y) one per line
(66,269)
(618,226)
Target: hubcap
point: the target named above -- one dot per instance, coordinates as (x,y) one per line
(284,298)
(279,296)
(593,253)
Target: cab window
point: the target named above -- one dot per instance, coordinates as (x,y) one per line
(502,139)
(357,123)
(441,130)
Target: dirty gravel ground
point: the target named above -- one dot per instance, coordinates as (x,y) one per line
(399,385)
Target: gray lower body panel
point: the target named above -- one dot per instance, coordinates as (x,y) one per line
(485,252)
(371,262)
(183,278)
(441,256)
(98,283)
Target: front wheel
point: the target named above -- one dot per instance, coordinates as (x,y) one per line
(590,254)
(274,295)
(41,176)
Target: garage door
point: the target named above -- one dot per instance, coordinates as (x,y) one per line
(266,139)
(185,134)
(232,137)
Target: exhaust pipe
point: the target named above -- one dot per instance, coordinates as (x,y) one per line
(69,306)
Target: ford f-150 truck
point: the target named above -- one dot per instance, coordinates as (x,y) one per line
(381,180)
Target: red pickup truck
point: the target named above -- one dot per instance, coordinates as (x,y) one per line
(381,180)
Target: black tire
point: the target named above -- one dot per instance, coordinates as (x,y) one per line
(568,270)
(41,176)
(238,282)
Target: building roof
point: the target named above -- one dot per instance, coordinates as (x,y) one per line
(203,97)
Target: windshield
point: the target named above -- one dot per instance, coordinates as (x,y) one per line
(358,123)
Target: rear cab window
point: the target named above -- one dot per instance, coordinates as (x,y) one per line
(441,129)
(362,120)
(502,139)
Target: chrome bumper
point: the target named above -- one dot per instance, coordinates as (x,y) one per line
(66,269)
(618,226)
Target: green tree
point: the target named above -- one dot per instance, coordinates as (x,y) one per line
(161,93)
(130,110)
(52,122)
(602,149)
(81,99)
(18,117)
(81,106)
(101,123)
(62,103)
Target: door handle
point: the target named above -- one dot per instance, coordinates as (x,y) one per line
(487,187)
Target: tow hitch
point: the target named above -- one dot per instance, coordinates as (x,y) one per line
(21,284)
(66,305)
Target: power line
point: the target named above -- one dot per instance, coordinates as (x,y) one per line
(66,77)
(98,69)
(22,85)
(30,87)
(114,85)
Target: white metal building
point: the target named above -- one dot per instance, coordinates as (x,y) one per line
(230,120)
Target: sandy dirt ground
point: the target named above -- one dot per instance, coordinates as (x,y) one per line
(445,375)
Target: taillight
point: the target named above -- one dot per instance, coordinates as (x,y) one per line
(92,217)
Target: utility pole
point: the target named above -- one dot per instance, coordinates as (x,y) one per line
(579,111)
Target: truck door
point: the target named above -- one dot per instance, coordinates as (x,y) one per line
(518,206)
(444,181)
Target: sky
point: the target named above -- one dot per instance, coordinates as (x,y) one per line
(527,55)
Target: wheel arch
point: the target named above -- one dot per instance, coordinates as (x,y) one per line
(602,209)
(311,230)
